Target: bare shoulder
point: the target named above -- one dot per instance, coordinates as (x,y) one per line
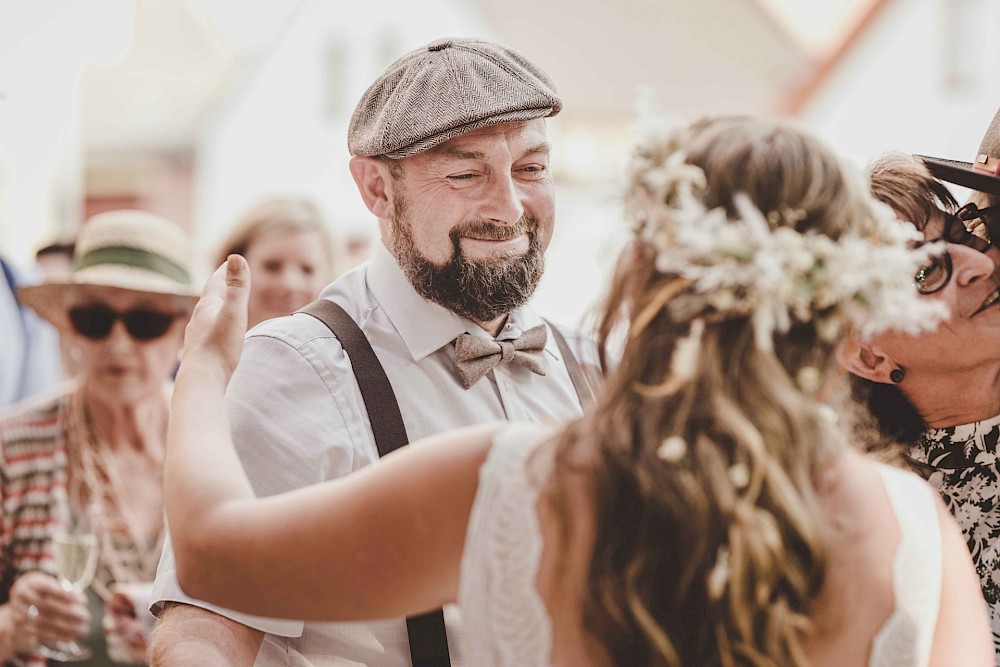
(962,628)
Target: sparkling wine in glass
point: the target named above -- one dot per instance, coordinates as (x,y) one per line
(76,561)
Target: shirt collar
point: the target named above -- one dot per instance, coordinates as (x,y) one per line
(957,446)
(965,432)
(425,326)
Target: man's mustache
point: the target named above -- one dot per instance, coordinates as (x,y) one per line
(491,231)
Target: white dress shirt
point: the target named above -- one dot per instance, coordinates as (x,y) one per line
(298,419)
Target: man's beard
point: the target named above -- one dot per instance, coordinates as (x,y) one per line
(479,289)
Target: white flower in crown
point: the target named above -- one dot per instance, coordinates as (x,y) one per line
(673,449)
(775,274)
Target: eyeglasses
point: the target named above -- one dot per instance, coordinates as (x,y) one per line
(935,274)
(985,219)
(95,322)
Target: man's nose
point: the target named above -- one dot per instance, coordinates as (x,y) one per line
(504,200)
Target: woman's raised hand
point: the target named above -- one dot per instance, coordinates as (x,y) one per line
(215,332)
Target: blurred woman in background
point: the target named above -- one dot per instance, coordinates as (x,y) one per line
(95,447)
(290,251)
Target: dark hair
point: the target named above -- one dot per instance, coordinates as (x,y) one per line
(58,248)
(895,421)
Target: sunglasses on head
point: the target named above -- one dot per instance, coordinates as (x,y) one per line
(95,322)
(956,231)
(985,219)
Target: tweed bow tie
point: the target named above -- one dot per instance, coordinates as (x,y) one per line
(475,356)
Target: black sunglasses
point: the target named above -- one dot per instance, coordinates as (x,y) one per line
(985,219)
(95,322)
(955,231)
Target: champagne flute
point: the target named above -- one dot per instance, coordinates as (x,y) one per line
(76,561)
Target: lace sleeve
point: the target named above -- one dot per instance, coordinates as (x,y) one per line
(505,621)
(905,639)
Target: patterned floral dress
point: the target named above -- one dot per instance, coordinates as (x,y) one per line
(961,463)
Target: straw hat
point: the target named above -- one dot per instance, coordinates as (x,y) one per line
(134,251)
(982,174)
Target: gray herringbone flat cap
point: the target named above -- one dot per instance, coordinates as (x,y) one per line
(447,88)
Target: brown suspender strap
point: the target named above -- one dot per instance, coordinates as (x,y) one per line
(583,389)
(376,392)
(427,635)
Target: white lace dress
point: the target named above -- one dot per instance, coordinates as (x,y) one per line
(506,623)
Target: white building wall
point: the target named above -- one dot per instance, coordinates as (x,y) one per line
(43,53)
(924,79)
(283,127)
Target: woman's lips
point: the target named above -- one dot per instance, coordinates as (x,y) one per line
(993,298)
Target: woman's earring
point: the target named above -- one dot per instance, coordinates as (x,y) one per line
(897,375)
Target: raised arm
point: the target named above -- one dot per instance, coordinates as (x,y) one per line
(384,542)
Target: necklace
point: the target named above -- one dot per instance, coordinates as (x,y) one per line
(94,479)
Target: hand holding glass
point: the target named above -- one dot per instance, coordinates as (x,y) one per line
(75,546)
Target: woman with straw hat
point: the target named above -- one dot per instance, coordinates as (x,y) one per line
(95,447)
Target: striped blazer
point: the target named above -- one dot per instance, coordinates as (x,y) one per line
(33,483)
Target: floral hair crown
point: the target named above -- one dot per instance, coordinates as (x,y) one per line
(759,265)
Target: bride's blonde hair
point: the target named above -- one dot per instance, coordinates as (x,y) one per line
(705,447)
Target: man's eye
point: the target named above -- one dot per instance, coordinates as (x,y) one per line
(462,177)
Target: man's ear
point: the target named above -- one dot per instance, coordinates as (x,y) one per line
(866,360)
(372,177)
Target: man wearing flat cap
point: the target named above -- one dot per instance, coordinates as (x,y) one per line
(450,153)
